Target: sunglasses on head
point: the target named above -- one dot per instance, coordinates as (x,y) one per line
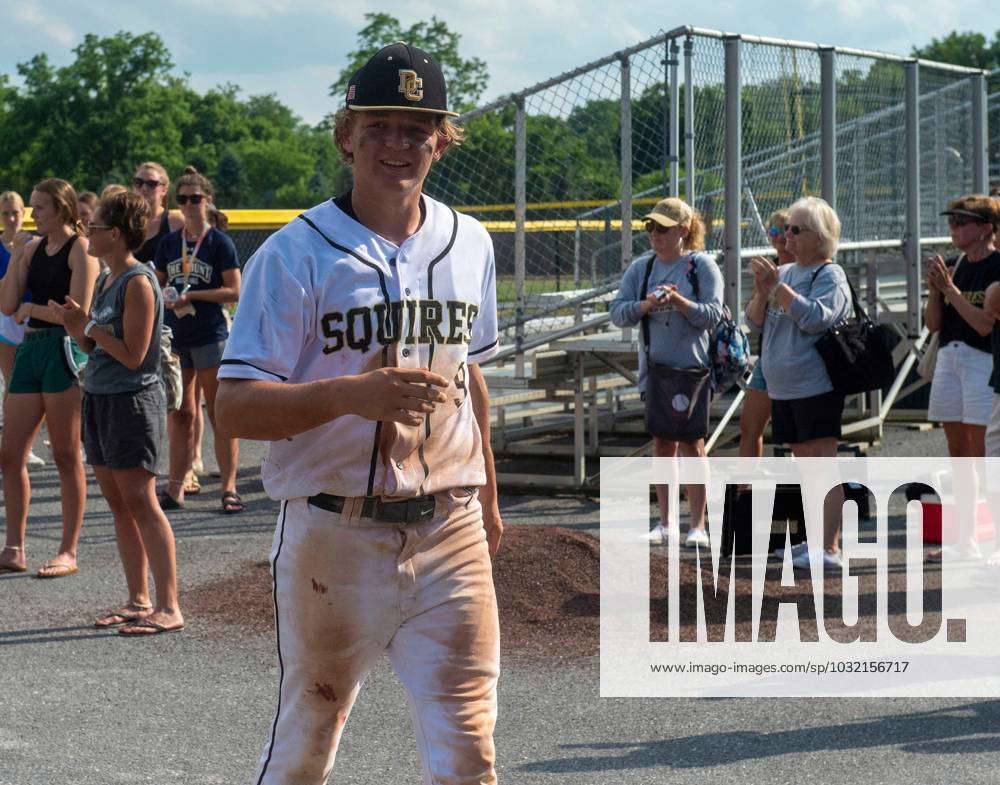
(654,228)
(796,230)
(193,198)
(139,182)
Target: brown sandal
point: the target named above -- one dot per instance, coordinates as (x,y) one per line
(231,503)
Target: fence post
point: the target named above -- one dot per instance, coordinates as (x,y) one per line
(689,167)
(980,175)
(828,143)
(520,203)
(911,243)
(626,155)
(675,121)
(665,149)
(733,175)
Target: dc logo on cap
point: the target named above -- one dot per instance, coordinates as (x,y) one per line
(411,85)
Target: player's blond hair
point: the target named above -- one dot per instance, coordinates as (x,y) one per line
(343,123)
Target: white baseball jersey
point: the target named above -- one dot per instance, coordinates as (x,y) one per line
(326,297)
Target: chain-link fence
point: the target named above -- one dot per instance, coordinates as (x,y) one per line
(581,151)
(553,170)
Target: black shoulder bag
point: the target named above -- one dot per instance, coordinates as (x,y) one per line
(677,399)
(858,353)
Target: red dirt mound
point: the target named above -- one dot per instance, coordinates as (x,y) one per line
(547,581)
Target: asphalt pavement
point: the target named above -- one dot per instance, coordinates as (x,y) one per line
(87,707)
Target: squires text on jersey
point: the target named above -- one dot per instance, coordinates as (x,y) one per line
(406,321)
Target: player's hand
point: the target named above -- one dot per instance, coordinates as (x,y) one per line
(402,395)
(493,526)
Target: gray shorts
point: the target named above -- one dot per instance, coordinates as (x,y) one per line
(201,357)
(125,430)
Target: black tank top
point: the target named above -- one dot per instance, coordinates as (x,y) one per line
(147,251)
(48,278)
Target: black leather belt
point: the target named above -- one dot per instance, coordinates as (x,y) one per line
(407,511)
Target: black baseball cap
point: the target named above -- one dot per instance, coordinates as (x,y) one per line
(399,76)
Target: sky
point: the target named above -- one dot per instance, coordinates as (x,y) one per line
(296,48)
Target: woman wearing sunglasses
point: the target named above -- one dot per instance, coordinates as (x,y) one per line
(152,184)
(961,395)
(675,294)
(199,267)
(123,411)
(756,412)
(794,306)
(45,379)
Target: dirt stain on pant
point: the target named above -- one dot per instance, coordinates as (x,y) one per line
(319,588)
(325,691)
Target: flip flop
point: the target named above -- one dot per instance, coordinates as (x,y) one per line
(57,570)
(231,503)
(124,615)
(168,502)
(191,484)
(4,568)
(144,625)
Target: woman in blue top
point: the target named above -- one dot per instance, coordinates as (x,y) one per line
(794,307)
(680,318)
(12,240)
(200,264)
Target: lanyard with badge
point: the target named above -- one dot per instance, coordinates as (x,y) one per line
(186,263)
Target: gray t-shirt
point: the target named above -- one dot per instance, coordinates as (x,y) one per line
(676,339)
(104,374)
(792,367)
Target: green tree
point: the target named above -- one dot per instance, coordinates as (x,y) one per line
(968,48)
(467,77)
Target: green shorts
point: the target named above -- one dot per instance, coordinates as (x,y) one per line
(48,361)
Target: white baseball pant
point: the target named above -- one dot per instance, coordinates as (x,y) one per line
(347,589)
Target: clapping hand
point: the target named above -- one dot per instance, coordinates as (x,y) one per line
(70,315)
(764,272)
(938,277)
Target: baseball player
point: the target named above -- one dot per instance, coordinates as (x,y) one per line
(355,351)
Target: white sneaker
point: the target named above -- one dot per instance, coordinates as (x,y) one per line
(658,535)
(779,553)
(35,460)
(970,553)
(695,538)
(831,560)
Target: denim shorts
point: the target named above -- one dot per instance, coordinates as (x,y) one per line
(757,380)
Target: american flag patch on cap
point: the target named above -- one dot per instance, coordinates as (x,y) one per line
(350,92)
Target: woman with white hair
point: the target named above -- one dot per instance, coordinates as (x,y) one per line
(793,307)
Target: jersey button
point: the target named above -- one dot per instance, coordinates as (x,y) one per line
(392,262)
(407,292)
(406,352)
